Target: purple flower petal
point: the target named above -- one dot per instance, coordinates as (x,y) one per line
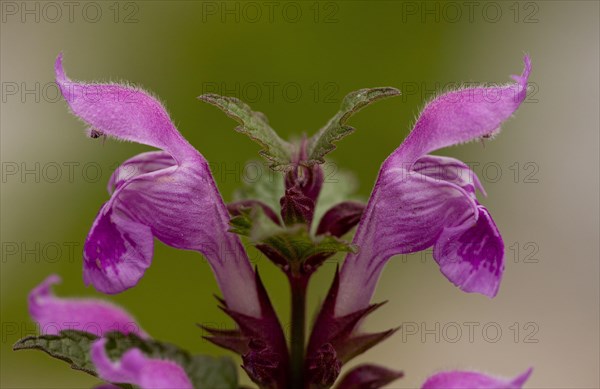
(407,213)
(125,113)
(137,369)
(451,170)
(461,116)
(140,164)
(117,251)
(169,194)
(171,204)
(472,380)
(55,314)
(420,200)
(472,257)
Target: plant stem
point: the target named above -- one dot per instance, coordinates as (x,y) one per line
(298,288)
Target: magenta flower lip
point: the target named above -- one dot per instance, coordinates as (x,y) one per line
(472,380)
(54,314)
(421,200)
(169,195)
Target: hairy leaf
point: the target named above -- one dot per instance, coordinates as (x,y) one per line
(241,224)
(256,126)
(296,244)
(293,245)
(322,142)
(70,346)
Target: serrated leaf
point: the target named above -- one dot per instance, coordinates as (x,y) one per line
(70,346)
(294,243)
(252,222)
(256,126)
(241,224)
(297,245)
(74,346)
(322,142)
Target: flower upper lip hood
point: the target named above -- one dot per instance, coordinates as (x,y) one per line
(421,200)
(168,194)
(54,314)
(461,116)
(473,380)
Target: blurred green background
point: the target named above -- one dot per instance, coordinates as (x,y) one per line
(294,61)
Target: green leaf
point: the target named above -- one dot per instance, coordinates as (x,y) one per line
(256,126)
(322,142)
(211,372)
(70,346)
(74,346)
(253,223)
(297,244)
(241,224)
